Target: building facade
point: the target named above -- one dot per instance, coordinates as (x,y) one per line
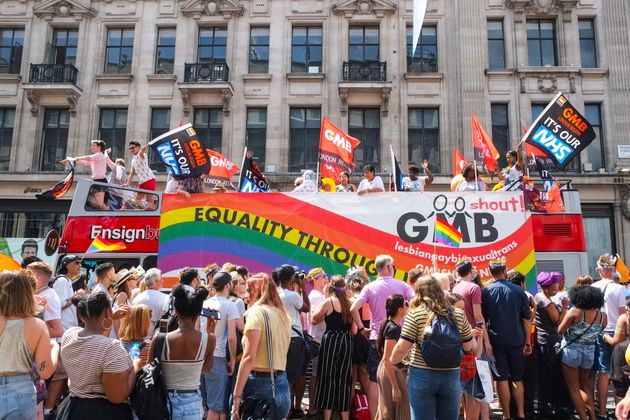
(262,74)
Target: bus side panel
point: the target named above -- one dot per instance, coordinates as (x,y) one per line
(558,233)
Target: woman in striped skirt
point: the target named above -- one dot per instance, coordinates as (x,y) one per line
(334,371)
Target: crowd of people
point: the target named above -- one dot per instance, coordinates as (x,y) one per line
(363,348)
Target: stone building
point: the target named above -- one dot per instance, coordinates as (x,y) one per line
(262,73)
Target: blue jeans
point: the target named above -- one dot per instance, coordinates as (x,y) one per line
(259,385)
(185,405)
(434,394)
(216,383)
(17,397)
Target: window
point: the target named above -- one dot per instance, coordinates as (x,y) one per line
(304,124)
(112,129)
(11,43)
(541,43)
(595,151)
(18,219)
(306,49)
(496,44)
(425,60)
(365,125)
(165,51)
(588,48)
(424,137)
(259,50)
(160,124)
(7,119)
(119,52)
(64,47)
(208,123)
(537,109)
(55,138)
(212,45)
(257,134)
(599,232)
(364,44)
(501,130)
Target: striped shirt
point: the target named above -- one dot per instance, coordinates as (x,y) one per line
(413,331)
(87,358)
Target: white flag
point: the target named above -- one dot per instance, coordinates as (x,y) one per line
(419,10)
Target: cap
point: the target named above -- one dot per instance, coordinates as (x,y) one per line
(546,279)
(68,259)
(221,279)
(285,271)
(121,277)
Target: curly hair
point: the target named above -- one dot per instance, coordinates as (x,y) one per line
(189,304)
(429,293)
(586,297)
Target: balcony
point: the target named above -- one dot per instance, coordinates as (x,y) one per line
(206,72)
(365,84)
(53,73)
(365,72)
(206,84)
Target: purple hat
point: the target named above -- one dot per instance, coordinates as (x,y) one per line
(546,279)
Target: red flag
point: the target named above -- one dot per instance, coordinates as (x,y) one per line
(181,122)
(484,149)
(459,163)
(221,169)
(531,150)
(336,151)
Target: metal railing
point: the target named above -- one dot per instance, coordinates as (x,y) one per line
(206,72)
(53,73)
(369,72)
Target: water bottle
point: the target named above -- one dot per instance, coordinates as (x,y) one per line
(134,353)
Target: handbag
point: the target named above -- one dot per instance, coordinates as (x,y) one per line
(255,408)
(468,367)
(311,347)
(485,380)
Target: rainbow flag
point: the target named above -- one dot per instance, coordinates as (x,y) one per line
(447,234)
(101,245)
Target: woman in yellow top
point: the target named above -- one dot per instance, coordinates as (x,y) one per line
(434,392)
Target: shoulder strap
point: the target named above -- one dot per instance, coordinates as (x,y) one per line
(298,332)
(159,346)
(270,353)
(202,346)
(579,336)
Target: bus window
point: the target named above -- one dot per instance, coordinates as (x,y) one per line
(119,199)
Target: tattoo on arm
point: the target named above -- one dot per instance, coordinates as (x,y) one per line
(42,366)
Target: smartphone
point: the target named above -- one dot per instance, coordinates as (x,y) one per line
(163,325)
(211,313)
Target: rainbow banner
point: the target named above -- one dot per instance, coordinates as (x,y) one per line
(446,234)
(337,231)
(102,245)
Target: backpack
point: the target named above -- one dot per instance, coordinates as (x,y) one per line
(149,397)
(360,409)
(170,316)
(441,346)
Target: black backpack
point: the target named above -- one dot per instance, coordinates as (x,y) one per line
(149,398)
(170,316)
(441,346)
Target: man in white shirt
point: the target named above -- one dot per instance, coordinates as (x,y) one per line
(152,297)
(62,285)
(140,167)
(414,182)
(319,280)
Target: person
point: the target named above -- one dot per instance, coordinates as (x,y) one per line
(512,174)
(124,282)
(506,309)
(371,183)
(97,162)
(254,288)
(101,375)
(361,345)
(334,369)
(140,167)
(318,279)
(375,294)
(393,400)
(344,183)
(118,174)
(580,328)
(105,273)
(620,342)
(216,380)
(29,249)
(295,302)
(134,330)
(414,182)
(70,268)
(433,393)
(24,344)
(254,374)
(614,306)
(552,393)
(52,309)
(471,294)
(238,292)
(210,270)
(152,297)
(187,353)
(469,183)
(309,183)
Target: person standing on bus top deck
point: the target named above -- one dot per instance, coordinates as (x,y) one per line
(371,183)
(98,165)
(414,182)
(469,183)
(140,167)
(512,174)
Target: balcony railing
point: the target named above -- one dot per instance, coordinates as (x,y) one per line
(53,73)
(365,72)
(206,72)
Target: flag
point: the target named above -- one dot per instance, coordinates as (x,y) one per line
(102,245)
(336,151)
(622,269)
(61,187)
(553,199)
(484,150)
(251,179)
(182,152)
(221,169)
(447,234)
(419,10)
(459,162)
(8,263)
(396,172)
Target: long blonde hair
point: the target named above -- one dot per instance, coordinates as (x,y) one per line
(136,325)
(429,293)
(16,294)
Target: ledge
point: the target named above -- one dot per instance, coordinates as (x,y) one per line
(114,77)
(545,69)
(593,72)
(423,76)
(161,77)
(257,76)
(306,76)
(10,77)
(499,72)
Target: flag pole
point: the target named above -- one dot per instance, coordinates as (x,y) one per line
(240,175)
(476,182)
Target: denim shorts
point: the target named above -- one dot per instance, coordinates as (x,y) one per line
(603,363)
(259,385)
(216,385)
(185,405)
(17,397)
(373,361)
(578,356)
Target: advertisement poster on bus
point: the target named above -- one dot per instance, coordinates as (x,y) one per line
(20,248)
(338,231)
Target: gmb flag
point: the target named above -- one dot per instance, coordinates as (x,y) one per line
(560,131)
(182,152)
(336,151)
(222,169)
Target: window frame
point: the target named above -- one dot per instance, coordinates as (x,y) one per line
(421,132)
(15,61)
(249,131)
(363,44)
(102,131)
(308,48)
(362,133)
(56,48)
(418,58)
(592,39)
(47,165)
(300,137)
(263,64)
(120,47)
(213,46)
(208,131)
(492,40)
(600,132)
(155,163)
(6,136)
(504,147)
(600,211)
(539,40)
(158,47)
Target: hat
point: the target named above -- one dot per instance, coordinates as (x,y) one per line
(546,279)
(68,259)
(121,277)
(285,271)
(496,263)
(138,272)
(221,279)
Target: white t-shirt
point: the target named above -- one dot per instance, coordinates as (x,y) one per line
(471,186)
(141,168)
(63,288)
(229,312)
(376,182)
(155,300)
(316,331)
(52,310)
(614,298)
(414,186)
(293,302)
